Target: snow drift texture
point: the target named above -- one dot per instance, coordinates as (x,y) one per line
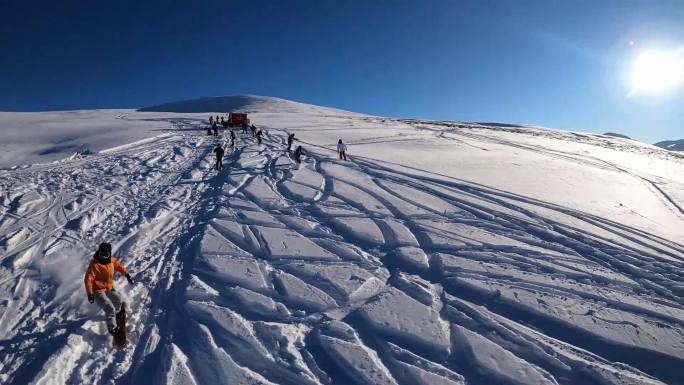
(441,253)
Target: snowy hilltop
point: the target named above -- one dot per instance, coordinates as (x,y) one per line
(440,252)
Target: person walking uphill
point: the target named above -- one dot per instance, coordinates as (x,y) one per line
(298,152)
(290,140)
(99,284)
(259,135)
(342,149)
(232,138)
(219,157)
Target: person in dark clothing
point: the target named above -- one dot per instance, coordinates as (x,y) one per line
(232,138)
(298,152)
(222,121)
(209,130)
(253,128)
(259,135)
(219,157)
(216,119)
(5,192)
(211,120)
(215,128)
(244,128)
(290,140)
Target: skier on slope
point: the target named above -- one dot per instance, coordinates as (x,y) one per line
(5,193)
(298,152)
(232,138)
(259,135)
(219,157)
(99,280)
(342,149)
(290,140)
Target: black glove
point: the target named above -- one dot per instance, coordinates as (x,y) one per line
(130,280)
(91,298)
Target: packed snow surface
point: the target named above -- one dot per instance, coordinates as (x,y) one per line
(441,253)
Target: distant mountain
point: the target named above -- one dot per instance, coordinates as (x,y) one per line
(615,135)
(234,103)
(672,145)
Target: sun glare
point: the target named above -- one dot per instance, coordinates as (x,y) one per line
(657,71)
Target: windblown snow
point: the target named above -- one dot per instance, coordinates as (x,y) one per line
(441,253)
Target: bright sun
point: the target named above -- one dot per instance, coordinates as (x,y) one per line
(657,71)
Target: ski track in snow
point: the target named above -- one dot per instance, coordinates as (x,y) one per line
(326,272)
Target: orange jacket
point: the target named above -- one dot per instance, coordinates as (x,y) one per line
(100,277)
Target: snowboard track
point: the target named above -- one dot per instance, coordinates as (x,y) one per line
(271,272)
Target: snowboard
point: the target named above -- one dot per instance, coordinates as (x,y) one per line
(119,339)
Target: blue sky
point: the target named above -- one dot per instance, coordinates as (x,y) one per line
(558,64)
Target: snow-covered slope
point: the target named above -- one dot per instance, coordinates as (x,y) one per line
(440,253)
(672,145)
(40,137)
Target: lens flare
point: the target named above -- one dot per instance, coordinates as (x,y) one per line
(657,71)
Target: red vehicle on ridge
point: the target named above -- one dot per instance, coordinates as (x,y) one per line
(237,119)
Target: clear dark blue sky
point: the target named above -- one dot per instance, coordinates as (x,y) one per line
(552,63)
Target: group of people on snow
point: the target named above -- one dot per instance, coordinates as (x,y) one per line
(99,276)
(258,134)
(219,150)
(341,148)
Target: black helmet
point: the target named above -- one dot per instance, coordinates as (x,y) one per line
(104,253)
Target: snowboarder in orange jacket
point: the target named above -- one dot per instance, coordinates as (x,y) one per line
(99,283)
